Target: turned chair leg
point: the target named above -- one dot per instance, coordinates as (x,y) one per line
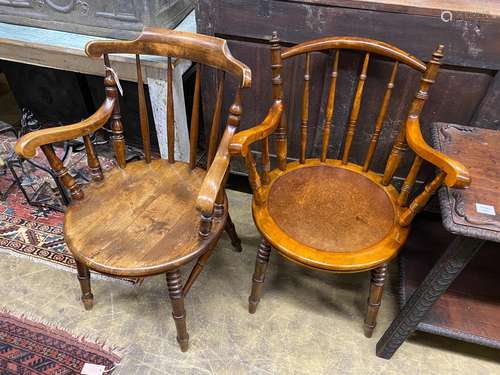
(376,289)
(259,275)
(231,231)
(84,279)
(174,284)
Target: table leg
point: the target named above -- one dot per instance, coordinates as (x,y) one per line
(444,272)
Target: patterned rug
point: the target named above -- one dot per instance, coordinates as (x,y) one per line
(37,232)
(29,348)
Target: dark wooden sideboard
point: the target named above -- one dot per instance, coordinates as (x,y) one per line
(465,93)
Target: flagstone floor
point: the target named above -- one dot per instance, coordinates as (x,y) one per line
(307,322)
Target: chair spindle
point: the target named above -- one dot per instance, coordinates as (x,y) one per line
(266,163)
(205,225)
(62,172)
(143,111)
(92,160)
(170,112)
(117,138)
(329,108)
(195,119)
(216,119)
(196,271)
(233,123)
(353,119)
(219,200)
(253,177)
(421,200)
(305,110)
(277,81)
(409,181)
(399,147)
(380,118)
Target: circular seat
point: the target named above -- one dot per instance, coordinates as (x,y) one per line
(141,220)
(331,216)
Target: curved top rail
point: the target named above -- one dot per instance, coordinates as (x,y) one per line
(200,48)
(356,43)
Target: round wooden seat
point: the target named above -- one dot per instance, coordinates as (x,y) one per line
(140,220)
(331,216)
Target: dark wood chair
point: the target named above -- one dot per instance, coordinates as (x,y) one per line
(154,215)
(332,214)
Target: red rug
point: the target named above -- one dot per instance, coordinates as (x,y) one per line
(29,348)
(37,232)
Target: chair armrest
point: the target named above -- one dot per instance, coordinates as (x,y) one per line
(240,144)
(216,174)
(27,144)
(457,175)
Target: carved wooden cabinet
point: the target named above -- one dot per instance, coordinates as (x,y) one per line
(469,31)
(112,18)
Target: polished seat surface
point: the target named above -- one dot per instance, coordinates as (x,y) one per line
(140,220)
(327,216)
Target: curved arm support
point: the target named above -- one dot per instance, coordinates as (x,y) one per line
(27,144)
(240,144)
(457,175)
(214,178)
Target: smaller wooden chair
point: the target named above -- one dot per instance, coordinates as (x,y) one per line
(149,216)
(332,214)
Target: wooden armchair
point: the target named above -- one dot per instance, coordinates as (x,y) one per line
(334,215)
(150,216)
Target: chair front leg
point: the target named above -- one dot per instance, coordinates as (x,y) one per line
(376,289)
(174,284)
(259,275)
(231,231)
(84,279)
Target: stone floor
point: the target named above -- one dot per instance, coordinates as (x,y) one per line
(307,323)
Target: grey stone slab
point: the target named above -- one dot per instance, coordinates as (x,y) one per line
(307,322)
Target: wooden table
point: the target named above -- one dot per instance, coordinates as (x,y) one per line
(473,215)
(66,51)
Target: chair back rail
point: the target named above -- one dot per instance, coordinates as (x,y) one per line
(199,48)
(450,172)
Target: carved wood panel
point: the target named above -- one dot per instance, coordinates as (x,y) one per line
(114,18)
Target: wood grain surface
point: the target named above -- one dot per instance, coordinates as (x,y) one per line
(141,220)
(478,149)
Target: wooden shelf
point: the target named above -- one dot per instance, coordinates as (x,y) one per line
(470,309)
